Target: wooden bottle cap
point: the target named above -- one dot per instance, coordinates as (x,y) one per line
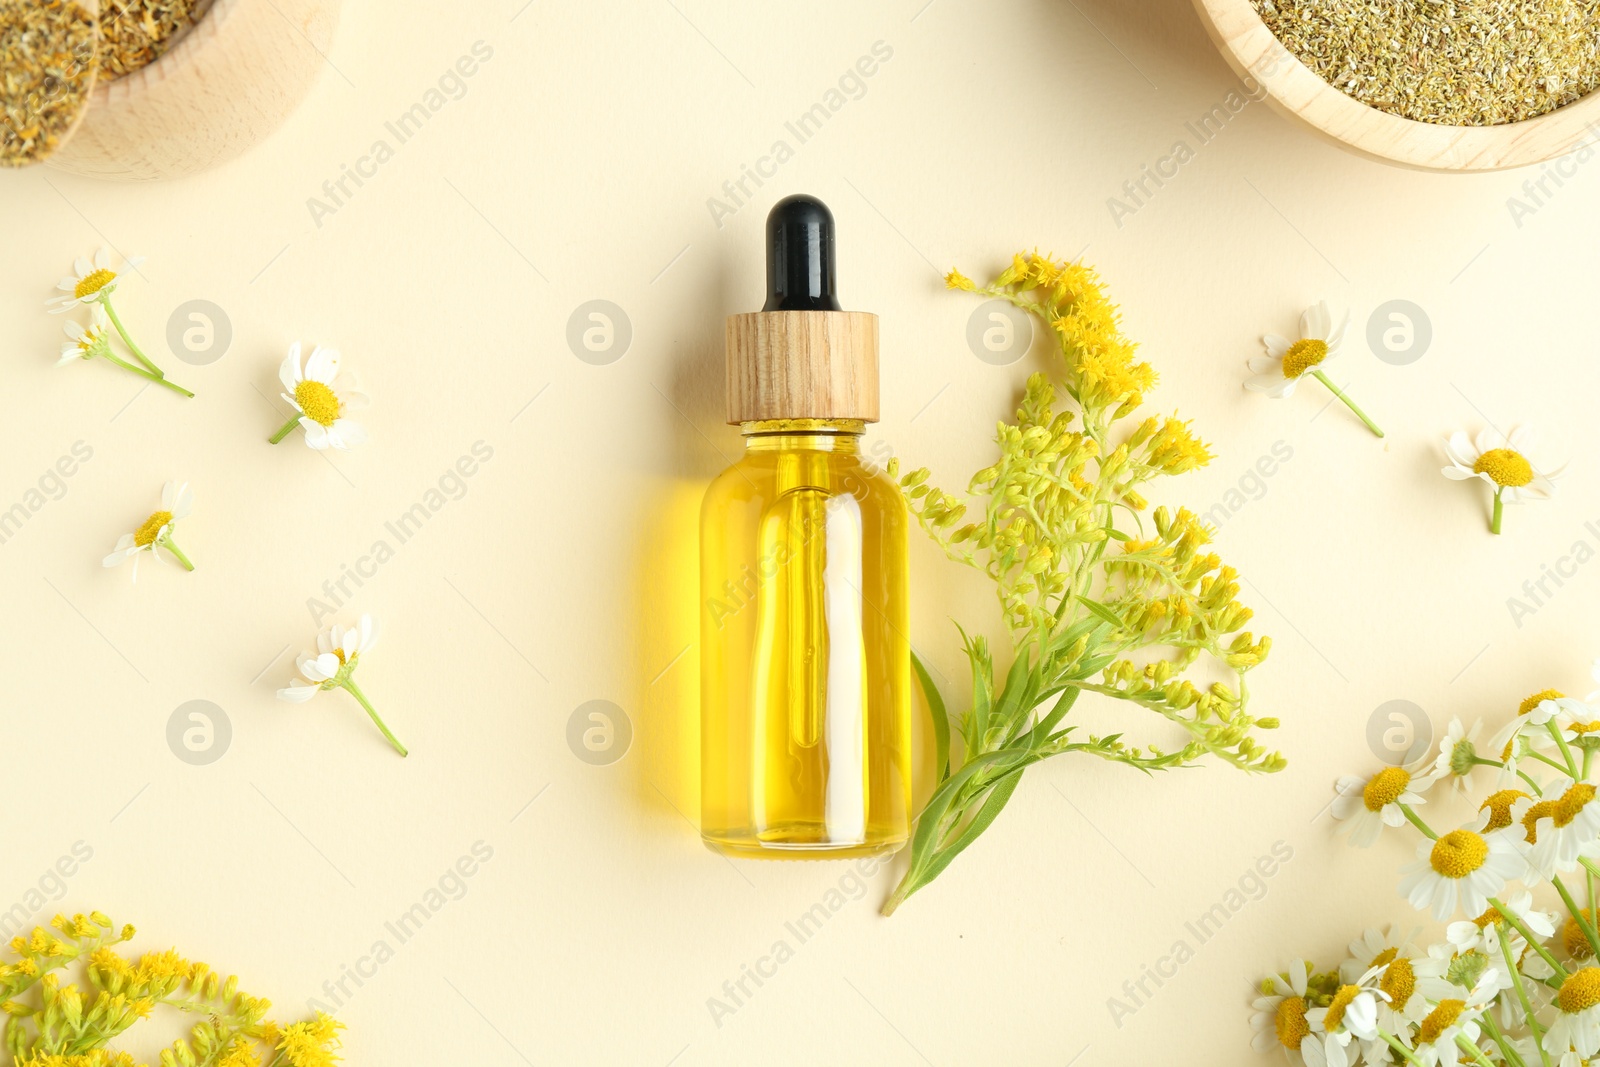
(802,365)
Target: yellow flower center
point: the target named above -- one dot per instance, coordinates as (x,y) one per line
(1458,853)
(1590,727)
(1385,788)
(1386,956)
(1399,981)
(1492,916)
(1581,990)
(1439,1020)
(1577,945)
(1572,802)
(1303,355)
(93,282)
(1499,805)
(1505,466)
(1531,702)
(1542,810)
(317,401)
(146,534)
(1336,1007)
(1292,1027)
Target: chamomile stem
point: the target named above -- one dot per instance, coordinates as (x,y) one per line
(284,431)
(355,691)
(1351,404)
(1566,750)
(1577,914)
(1506,1051)
(1394,1043)
(111,313)
(141,372)
(1472,1049)
(1499,506)
(172,546)
(1533,942)
(1522,995)
(1547,760)
(1416,821)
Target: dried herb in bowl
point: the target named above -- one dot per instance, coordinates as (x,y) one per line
(1453,62)
(136,33)
(47,65)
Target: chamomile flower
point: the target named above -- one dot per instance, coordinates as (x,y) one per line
(91,288)
(1577,1025)
(1504,463)
(1352,1014)
(1578,721)
(1458,755)
(1452,1017)
(1461,870)
(333,666)
(1367,805)
(1406,985)
(86,342)
(1279,1020)
(1563,828)
(177,500)
(1573,939)
(1374,948)
(1278,372)
(91,281)
(322,397)
(1484,933)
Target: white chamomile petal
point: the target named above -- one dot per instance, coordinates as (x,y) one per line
(289,370)
(323,365)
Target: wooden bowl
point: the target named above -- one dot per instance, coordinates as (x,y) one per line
(231,80)
(1269,69)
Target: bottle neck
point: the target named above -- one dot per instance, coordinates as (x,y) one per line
(819,435)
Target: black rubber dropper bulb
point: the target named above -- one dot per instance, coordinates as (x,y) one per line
(800,263)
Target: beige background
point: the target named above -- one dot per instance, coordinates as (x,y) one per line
(577,166)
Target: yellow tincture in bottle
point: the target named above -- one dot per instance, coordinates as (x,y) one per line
(805,665)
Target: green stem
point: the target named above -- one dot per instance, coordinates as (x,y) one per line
(1527,1005)
(1542,758)
(284,432)
(1395,1044)
(141,372)
(1577,915)
(1472,1049)
(172,546)
(1566,751)
(355,691)
(111,313)
(1508,1053)
(1527,935)
(1416,821)
(1351,404)
(1499,507)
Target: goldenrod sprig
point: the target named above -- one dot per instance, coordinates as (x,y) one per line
(48,1024)
(1085,601)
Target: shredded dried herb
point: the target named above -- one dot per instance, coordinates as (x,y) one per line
(136,33)
(47,63)
(1456,62)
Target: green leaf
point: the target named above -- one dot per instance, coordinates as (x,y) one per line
(1101,610)
(941,719)
(929,856)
